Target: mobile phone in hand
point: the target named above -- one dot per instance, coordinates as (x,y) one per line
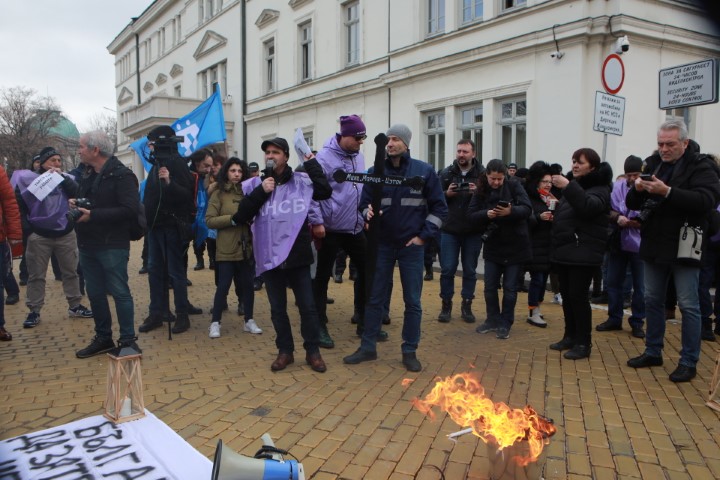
(503,204)
(647,177)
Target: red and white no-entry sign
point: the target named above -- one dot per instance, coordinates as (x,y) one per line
(613,74)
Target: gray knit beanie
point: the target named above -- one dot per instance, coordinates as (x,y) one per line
(401,131)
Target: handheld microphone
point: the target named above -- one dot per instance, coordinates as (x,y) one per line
(268,172)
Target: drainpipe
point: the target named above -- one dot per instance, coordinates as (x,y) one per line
(243,79)
(137,65)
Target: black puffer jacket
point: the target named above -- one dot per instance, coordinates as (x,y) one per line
(695,192)
(166,203)
(456,221)
(509,242)
(115,203)
(579,232)
(540,232)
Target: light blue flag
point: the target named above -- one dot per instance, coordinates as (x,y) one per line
(202,127)
(143,151)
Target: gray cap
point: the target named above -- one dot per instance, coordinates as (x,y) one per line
(401,131)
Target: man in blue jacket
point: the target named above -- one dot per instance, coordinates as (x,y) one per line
(409,217)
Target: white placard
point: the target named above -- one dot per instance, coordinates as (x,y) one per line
(301,146)
(691,84)
(44,184)
(609,113)
(97,448)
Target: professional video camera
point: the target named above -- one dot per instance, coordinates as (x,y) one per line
(164,142)
(74,214)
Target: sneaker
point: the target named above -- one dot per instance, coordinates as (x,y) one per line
(214,330)
(127,346)
(251,327)
(557,299)
(97,346)
(33,320)
(80,311)
(485,327)
(536,318)
(503,333)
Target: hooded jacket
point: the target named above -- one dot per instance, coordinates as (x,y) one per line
(456,222)
(339,213)
(234,242)
(166,203)
(695,192)
(580,221)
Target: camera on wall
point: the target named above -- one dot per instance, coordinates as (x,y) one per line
(557,54)
(622,45)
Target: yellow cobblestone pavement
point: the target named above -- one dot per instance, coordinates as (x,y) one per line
(357,422)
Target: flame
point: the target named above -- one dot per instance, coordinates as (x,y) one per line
(463,398)
(407,381)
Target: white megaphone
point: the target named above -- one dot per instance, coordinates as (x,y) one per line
(230,465)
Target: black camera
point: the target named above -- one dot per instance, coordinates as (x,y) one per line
(74,214)
(164,148)
(489,231)
(462,187)
(647,209)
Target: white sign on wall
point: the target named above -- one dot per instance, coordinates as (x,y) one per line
(609,113)
(687,85)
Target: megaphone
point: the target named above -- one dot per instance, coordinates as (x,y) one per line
(230,465)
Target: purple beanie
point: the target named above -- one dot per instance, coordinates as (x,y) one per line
(351,126)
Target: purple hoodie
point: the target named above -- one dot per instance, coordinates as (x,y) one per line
(341,212)
(629,237)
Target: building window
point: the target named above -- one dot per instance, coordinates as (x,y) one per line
(472,10)
(178,91)
(352,33)
(510,4)
(436,17)
(682,113)
(305,51)
(513,127)
(435,132)
(269,71)
(309,139)
(471,127)
(162,39)
(213,78)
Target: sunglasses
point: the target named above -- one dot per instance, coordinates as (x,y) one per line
(360,137)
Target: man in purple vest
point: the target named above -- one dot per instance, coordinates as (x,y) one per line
(278,203)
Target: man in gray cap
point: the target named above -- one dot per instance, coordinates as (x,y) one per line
(409,218)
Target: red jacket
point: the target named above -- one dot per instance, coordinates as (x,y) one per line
(10,227)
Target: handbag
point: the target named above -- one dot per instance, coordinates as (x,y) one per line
(690,243)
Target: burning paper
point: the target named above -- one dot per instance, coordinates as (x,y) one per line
(463,398)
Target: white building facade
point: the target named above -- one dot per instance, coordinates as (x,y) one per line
(449,69)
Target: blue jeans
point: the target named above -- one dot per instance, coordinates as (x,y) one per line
(686,284)
(410,260)
(243,273)
(617,265)
(106,272)
(509,273)
(536,291)
(166,253)
(4,268)
(276,282)
(467,247)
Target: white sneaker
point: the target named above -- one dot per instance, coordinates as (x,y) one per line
(214,330)
(537,319)
(557,298)
(251,327)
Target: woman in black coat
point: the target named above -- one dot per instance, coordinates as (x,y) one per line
(579,238)
(537,186)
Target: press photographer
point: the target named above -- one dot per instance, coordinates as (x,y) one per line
(170,210)
(106,206)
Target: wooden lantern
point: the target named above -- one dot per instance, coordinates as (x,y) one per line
(714,387)
(124,401)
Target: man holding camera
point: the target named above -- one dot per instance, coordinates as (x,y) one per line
(170,209)
(106,206)
(678,187)
(51,231)
(458,237)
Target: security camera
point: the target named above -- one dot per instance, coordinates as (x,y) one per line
(622,45)
(557,54)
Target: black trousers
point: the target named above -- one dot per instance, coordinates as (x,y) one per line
(574,285)
(354,245)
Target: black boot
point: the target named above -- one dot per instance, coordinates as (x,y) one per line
(466,310)
(151,323)
(563,344)
(200,264)
(445,313)
(182,323)
(707,330)
(577,352)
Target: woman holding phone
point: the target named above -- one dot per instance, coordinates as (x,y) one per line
(579,239)
(501,206)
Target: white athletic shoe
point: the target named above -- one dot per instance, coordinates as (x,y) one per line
(251,327)
(536,318)
(557,298)
(214,330)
